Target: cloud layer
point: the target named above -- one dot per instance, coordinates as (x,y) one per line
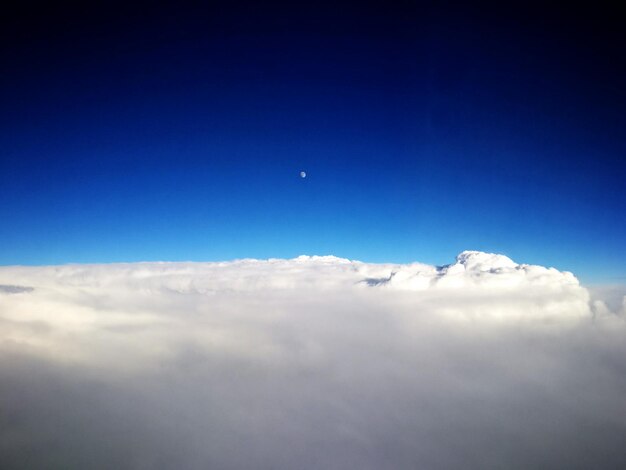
(315,362)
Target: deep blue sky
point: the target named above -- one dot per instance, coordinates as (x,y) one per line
(178,133)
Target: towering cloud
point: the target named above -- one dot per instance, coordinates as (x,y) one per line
(314,362)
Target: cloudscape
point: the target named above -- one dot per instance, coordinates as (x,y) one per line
(312,235)
(312,362)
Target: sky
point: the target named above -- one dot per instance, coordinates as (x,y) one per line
(172,132)
(445,288)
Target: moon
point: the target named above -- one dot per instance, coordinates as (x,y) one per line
(303,174)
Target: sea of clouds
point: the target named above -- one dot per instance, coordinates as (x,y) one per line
(310,363)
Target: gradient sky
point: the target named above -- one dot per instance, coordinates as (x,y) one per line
(174,132)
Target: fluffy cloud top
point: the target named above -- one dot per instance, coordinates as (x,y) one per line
(314,362)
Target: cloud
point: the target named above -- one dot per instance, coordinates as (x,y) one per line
(314,362)
(8,289)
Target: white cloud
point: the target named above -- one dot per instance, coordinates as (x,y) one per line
(315,362)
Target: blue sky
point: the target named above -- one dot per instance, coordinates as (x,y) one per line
(179,134)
